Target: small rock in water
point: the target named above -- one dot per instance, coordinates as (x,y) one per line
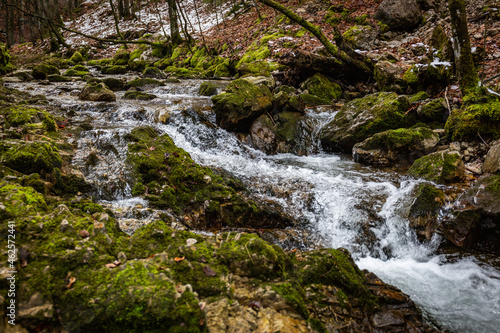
(191,241)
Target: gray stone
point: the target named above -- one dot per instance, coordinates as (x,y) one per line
(492,161)
(399,14)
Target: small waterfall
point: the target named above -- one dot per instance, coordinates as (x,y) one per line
(343,203)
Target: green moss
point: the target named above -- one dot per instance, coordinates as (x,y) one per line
(33,157)
(153,72)
(420,96)
(253,257)
(75,72)
(428,200)
(397,138)
(479,115)
(138,95)
(41,71)
(438,167)
(255,68)
(293,295)
(319,86)
(76,57)
(434,111)
(411,76)
(5,63)
(22,200)
(100,62)
(121,58)
(208,89)
(114,69)
(141,82)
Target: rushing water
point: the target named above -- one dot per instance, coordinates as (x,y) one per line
(343,203)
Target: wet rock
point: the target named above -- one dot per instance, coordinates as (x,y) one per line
(323,91)
(440,167)
(141,82)
(114,70)
(24,75)
(58,78)
(263,134)
(76,57)
(402,146)
(424,210)
(284,101)
(399,14)
(492,160)
(97,92)
(240,105)
(363,117)
(115,84)
(154,73)
(138,95)
(41,71)
(474,221)
(268,81)
(208,89)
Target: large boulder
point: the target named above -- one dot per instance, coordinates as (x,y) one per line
(441,167)
(278,135)
(475,220)
(400,146)
(424,210)
(40,72)
(492,161)
(363,117)
(320,90)
(361,37)
(399,14)
(434,112)
(97,92)
(241,104)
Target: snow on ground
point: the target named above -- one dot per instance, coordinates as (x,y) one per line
(98,20)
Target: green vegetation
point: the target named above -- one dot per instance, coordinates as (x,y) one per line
(439,167)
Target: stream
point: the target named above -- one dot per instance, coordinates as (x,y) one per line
(342,203)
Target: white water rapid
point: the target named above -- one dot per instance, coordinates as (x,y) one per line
(343,203)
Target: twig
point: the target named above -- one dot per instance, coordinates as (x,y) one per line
(487,145)
(271,119)
(491,78)
(447,101)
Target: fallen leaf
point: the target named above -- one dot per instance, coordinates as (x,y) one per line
(152,148)
(208,271)
(177,259)
(72,280)
(111,265)
(175,154)
(255,305)
(84,233)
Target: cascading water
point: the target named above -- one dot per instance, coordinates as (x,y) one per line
(344,204)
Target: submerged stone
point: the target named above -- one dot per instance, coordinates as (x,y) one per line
(97,92)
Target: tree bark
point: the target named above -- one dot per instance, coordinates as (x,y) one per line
(363,67)
(465,70)
(174,25)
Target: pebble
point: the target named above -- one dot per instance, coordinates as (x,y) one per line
(455,146)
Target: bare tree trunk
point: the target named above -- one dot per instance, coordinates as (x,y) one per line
(174,26)
(466,72)
(116,22)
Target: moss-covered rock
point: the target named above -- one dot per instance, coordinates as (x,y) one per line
(121,58)
(76,58)
(77,70)
(33,157)
(115,84)
(5,64)
(138,95)
(240,105)
(475,221)
(401,146)
(141,82)
(17,116)
(361,118)
(172,180)
(258,68)
(114,69)
(208,89)
(424,210)
(58,78)
(440,167)
(97,92)
(389,76)
(153,72)
(434,112)
(360,37)
(479,115)
(325,90)
(41,71)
